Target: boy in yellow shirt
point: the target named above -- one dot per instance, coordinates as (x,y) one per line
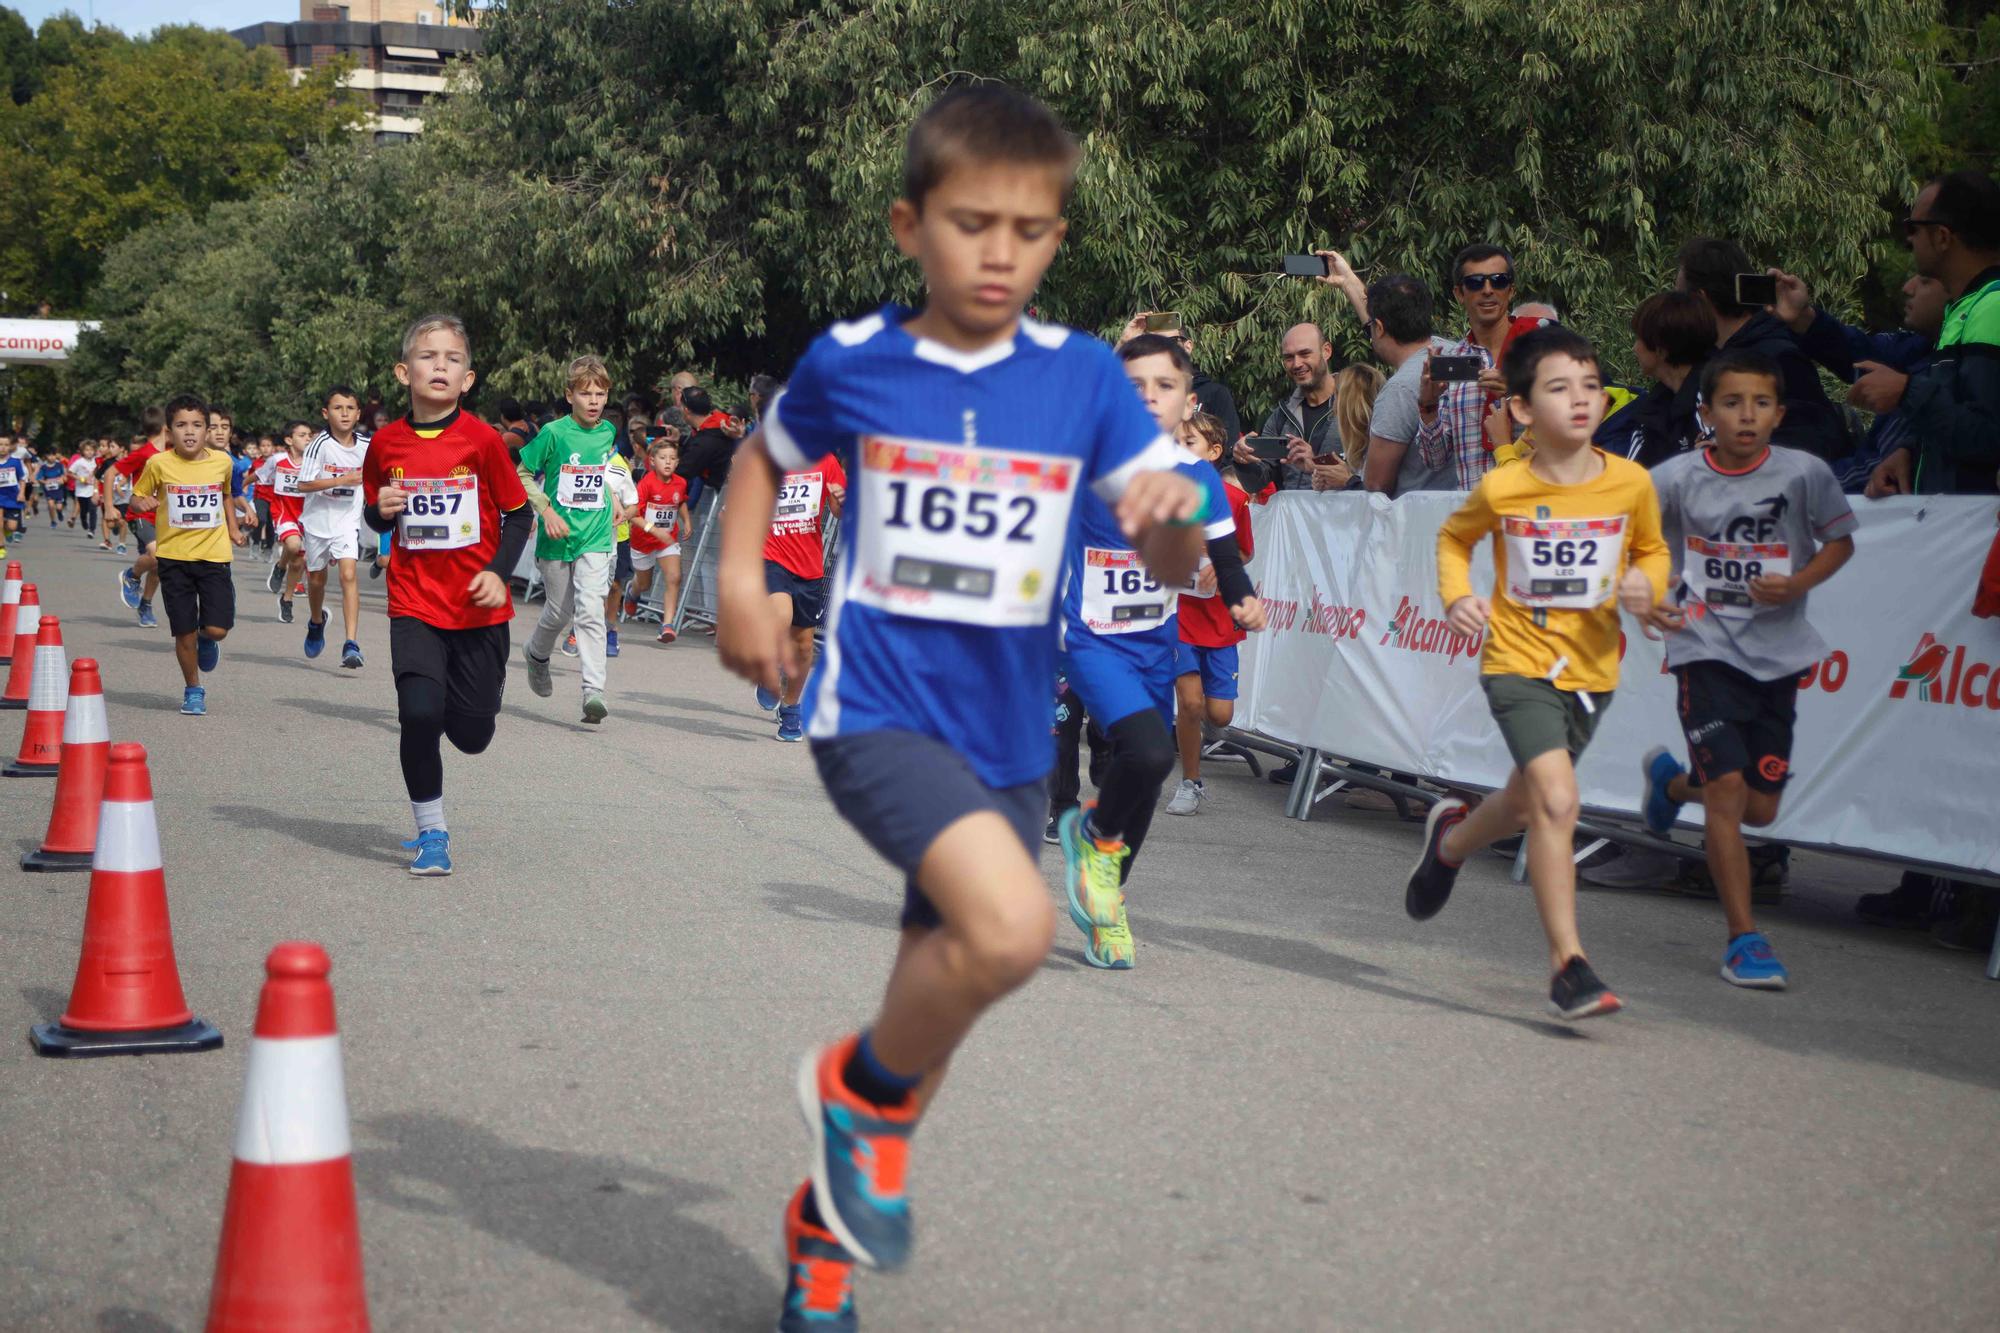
(189,486)
(1577,536)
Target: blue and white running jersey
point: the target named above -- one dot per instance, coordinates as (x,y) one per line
(13,476)
(1107,589)
(964,470)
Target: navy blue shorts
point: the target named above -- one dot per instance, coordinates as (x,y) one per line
(900,790)
(808,595)
(1215,666)
(1119,675)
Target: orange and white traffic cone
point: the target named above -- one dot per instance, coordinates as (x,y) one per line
(290,1256)
(27,620)
(10,598)
(86,749)
(127,998)
(48,700)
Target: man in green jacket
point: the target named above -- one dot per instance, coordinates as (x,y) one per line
(1953,406)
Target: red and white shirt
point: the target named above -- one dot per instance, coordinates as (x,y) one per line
(278,478)
(1205,621)
(795,540)
(660,503)
(461,471)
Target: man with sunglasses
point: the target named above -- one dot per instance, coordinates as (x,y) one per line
(1451,434)
(1953,405)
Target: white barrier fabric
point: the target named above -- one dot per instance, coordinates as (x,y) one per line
(1898,736)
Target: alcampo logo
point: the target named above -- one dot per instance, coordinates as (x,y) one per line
(1418,634)
(1942,675)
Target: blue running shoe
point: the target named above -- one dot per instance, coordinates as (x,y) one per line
(147,620)
(611,643)
(350,655)
(316,636)
(790,726)
(129,588)
(1749,961)
(433,849)
(194,701)
(1660,809)
(819,1276)
(207,652)
(860,1158)
(767,700)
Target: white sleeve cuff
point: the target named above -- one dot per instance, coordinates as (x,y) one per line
(1162,455)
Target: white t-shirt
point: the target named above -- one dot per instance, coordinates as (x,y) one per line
(336,511)
(85,472)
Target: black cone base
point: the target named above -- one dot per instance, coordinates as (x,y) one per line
(53,1039)
(40,860)
(16,769)
(13,705)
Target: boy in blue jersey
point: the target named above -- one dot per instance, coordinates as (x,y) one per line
(1121,643)
(967,432)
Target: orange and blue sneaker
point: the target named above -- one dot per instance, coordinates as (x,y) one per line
(819,1276)
(860,1158)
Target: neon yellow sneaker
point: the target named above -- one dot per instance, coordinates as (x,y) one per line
(1111,946)
(1092,873)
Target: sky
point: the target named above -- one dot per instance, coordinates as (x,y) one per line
(140,16)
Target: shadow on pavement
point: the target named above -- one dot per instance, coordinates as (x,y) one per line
(687,705)
(122,1319)
(816,902)
(1307,959)
(362,842)
(696,727)
(619,1223)
(381,718)
(46,1002)
(156,703)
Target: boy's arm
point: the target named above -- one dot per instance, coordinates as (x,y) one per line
(537,497)
(748,634)
(1648,551)
(144,487)
(1457,537)
(237,536)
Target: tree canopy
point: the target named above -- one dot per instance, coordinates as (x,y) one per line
(668,182)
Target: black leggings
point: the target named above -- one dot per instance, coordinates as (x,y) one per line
(86,513)
(420,706)
(1142,757)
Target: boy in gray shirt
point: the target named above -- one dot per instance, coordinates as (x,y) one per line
(1753,528)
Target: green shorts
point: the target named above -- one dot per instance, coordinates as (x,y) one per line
(1535,717)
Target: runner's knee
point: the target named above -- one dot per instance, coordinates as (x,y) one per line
(420,705)
(469,735)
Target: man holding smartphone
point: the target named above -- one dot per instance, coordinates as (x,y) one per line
(1710,269)
(1306,419)
(1452,408)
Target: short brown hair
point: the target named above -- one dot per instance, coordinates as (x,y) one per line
(588,369)
(1211,431)
(981,124)
(1677,326)
(451,324)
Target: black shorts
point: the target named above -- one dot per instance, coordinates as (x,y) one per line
(900,790)
(197,594)
(808,595)
(1736,723)
(621,569)
(142,531)
(471,664)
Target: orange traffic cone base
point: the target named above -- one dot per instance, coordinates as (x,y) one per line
(41,860)
(58,1042)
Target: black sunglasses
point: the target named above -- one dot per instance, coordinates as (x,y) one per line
(1479,282)
(1910,224)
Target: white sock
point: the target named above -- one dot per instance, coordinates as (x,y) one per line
(429,815)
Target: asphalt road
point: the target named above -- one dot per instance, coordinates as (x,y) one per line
(569,1066)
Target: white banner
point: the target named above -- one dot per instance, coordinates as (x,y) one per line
(38,341)
(1898,729)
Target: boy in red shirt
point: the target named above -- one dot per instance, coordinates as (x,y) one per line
(137,585)
(656,534)
(277,480)
(795,575)
(1205,667)
(441,480)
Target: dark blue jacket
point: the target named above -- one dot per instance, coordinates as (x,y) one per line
(1838,347)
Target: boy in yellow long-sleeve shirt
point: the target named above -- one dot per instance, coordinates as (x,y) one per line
(1577,536)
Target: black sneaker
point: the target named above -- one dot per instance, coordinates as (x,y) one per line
(285,610)
(1430,883)
(1912,905)
(1577,993)
(1052,835)
(1971,921)
(1286,775)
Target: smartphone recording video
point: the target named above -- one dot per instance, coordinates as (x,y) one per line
(1306,266)
(1456,369)
(1163,321)
(1270,448)
(1758,289)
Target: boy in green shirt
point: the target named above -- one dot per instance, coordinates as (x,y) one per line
(580,510)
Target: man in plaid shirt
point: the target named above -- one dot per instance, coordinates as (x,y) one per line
(1451,417)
